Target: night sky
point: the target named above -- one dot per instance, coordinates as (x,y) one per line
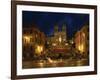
(45,21)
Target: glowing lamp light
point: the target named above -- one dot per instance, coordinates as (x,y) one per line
(27,38)
(50,60)
(54,44)
(81,48)
(39,49)
(66,44)
(83,34)
(72,42)
(40,64)
(60,39)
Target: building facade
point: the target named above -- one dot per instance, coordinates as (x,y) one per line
(59,42)
(81,40)
(33,42)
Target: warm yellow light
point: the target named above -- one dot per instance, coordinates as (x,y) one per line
(27,39)
(54,44)
(84,34)
(60,39)
(40,64)
(50,60)
(81,48)
(66,44)
(39,49)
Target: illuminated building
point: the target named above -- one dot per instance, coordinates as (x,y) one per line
(36,43)
(33,42)
(59,42)
(82,40)
(60,35)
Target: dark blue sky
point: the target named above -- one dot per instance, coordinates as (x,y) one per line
(46,21)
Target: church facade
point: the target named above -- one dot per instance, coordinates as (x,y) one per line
(59,41)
